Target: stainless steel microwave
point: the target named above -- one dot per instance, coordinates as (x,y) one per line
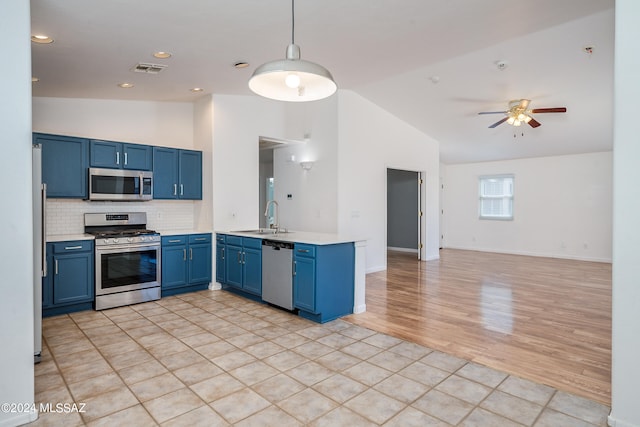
(120,184)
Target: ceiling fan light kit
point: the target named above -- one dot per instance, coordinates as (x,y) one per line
(518,113)
(292,79)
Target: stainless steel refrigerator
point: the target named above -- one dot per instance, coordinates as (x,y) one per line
(39,242)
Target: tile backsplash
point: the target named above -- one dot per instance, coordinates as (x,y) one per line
(66,216)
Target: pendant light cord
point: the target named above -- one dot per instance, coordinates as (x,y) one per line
(293,22)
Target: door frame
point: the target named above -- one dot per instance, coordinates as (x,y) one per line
(422,197)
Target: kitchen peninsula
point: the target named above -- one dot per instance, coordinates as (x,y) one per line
(322,275)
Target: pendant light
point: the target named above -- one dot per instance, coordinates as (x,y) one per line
(292,79)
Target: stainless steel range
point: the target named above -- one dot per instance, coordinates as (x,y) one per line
(127,258)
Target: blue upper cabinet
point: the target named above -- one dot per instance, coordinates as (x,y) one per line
(190,172)
(119,155)
(65,161)
(165,172)
(177,174)
(138,157)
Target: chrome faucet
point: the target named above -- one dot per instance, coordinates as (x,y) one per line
(275,216)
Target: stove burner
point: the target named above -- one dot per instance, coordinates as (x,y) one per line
(122,233)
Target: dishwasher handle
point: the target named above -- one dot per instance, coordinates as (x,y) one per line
(277,245)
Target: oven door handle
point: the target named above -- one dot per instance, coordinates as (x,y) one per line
(127,248)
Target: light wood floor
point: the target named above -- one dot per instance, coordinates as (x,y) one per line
(544,319)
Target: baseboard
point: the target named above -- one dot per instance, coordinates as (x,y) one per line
(535,254)
(359,309)
(613,422)
(409,250)
(20,418)
(376,269)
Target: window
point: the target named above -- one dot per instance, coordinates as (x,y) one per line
(496,197)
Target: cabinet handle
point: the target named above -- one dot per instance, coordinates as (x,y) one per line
(198,239)
(117,157)
(239,257)
(70,248)
(184,254)
(181,190)
(125,159)
(222,253)
(304,251)
(174,241)
(175,189)
(190,253)
(55,264)
(294,268)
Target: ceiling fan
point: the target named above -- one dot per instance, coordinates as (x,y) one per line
(518,113)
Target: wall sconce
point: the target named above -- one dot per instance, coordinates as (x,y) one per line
(306,165)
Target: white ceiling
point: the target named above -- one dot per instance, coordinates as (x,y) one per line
(385,50)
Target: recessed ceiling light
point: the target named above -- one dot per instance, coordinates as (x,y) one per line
(196,89)
(240,65)
(42,39)
(34,79)
(162,55)
(125,85)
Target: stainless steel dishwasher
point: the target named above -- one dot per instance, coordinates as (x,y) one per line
(277,273)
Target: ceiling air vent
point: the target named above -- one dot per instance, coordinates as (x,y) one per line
(148,68)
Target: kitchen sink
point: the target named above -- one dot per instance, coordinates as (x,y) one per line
(264,231)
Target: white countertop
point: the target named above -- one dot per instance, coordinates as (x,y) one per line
(65,237)
(298,237)
(177,232)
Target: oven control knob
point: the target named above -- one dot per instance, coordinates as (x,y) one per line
(129,239)
(142,238)
(106,241)
(115,240)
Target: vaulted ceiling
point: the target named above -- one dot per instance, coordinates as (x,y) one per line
(431,63)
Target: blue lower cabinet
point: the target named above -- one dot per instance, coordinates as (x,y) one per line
(323,281)
(239,263)
(186,263)
(70,284)
(200,258)
(174,262)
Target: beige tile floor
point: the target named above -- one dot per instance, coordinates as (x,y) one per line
(214,359)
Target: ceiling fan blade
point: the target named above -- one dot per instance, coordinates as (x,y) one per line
(549,110)
(493,112)
(499,122)
(534,123)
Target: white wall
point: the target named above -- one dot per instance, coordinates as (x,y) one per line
(168,124)
(238,122)
(625,381)
(16,255)
(313,205)
(370,141)
(562,207)
(203,141)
